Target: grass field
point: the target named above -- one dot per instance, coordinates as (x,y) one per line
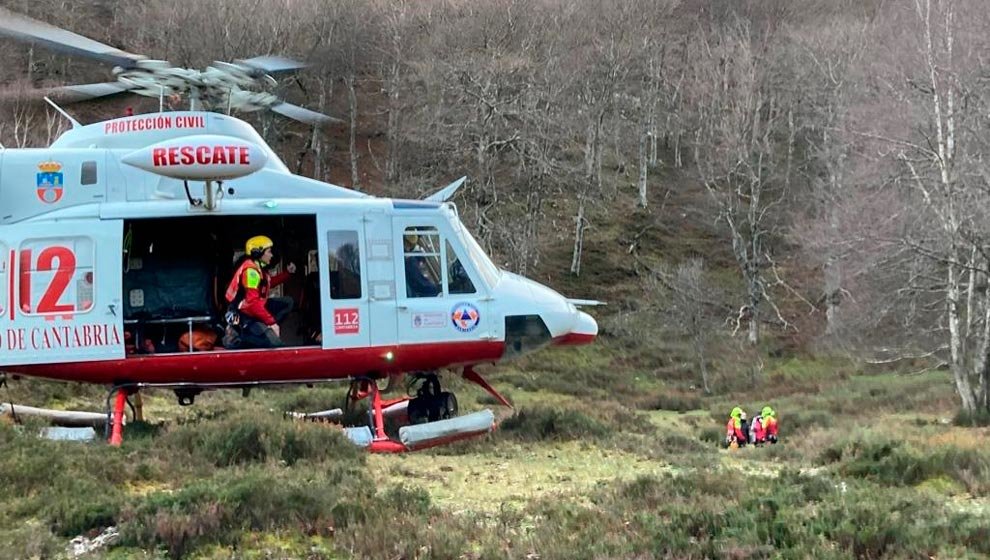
(623,464)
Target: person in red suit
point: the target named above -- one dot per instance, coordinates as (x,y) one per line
(254,313)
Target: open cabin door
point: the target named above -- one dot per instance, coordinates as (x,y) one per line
(61,297)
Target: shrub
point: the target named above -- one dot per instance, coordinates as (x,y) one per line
(218,509)
(894,464)
(303,399)
(671,401)
(72,486)
(977,418)
(31,540)
(712,435)
(488,400)
(796,421)
(245,438)
(680,443)
(414,501)
(541,424)
(75,505)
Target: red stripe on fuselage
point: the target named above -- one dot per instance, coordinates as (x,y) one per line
(10,270)
(268,366)
(574,339)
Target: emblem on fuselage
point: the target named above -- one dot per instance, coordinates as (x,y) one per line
(465,317)
(50,182)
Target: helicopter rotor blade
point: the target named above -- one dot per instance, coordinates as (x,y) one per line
(24,28)
(303,115)
(232,84)
(67,94)
(85,92)
(270,64)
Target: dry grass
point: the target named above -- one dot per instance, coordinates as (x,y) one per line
(512,473)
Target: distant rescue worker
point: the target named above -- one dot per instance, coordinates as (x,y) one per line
(769,424)
(255,314)
(734,433)
(757,432)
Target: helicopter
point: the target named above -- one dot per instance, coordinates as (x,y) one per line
(118,239)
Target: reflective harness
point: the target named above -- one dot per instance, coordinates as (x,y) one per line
(235,290)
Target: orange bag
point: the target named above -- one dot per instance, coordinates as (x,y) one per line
(203,339)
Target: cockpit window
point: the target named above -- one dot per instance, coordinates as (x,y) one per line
(421,254)
(458,281)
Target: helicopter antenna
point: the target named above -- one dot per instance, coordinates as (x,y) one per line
(74,122)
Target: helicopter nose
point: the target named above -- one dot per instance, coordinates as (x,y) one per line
(584,331)
(563,323)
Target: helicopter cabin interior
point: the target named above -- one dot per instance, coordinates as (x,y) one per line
(177,270)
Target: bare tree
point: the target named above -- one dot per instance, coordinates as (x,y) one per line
(745,129)
(929,91)
(691,308)
(656,84)
(602,64)
(828,56)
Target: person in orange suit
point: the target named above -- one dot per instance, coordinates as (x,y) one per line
(734,433)
(256,314)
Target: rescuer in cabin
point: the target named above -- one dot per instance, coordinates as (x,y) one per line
(252,319)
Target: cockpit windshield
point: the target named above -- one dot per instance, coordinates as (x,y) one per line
(482,263)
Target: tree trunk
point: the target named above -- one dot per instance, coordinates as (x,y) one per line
(755,297)
(599,123)
(644,138)
(700,354)
(317,140)
(579,225)
(833,273)
(982,367)
(593,150)
(589,150)
(654,133)
(352,106)
(392,131)
(959,371)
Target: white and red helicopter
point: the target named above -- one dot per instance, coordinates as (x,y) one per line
(118,240)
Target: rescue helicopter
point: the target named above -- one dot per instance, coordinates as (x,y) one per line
(117,243)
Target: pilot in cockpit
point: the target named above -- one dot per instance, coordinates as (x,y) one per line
(419,281)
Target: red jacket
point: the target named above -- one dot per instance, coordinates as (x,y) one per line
(758,429)
(731,430)
(770,426)
(254,298)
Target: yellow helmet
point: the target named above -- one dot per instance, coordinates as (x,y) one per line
(258,244)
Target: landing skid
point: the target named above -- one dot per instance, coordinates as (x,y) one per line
(431,415)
